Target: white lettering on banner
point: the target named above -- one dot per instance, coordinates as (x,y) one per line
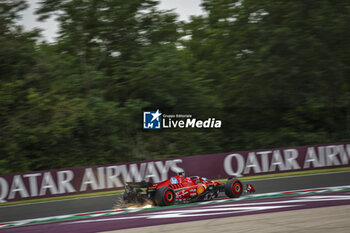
(333,155)
(311,158)
(252,162)
(163,170)
(271,161)
(89,179)
(4,188)
(157,171)
(331,152)
(290,156)
(344,157)
(94,178)
(134,173)
(101,177)
(151,172)
(228,165)
(18,186)
(348,150)
(174,166)
(321,157)
(48,183)
(33,183)
(148,170)
(63,180)
(277,161)
(112,173)
(265,160)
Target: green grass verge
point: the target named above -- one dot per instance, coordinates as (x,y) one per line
(277,175)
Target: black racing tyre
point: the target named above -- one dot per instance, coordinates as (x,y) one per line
(233,188)
(164,196)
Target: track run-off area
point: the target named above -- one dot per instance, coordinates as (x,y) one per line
(250,205)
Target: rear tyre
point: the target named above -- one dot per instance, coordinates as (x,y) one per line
(164,196)
(233,188)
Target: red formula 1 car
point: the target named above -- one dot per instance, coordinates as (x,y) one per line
(181,189)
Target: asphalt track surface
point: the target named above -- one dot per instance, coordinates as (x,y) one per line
(63,207)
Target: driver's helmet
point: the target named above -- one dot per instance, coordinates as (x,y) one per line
(181,173)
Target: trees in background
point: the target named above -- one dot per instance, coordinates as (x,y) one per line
(281,68)
(275,73)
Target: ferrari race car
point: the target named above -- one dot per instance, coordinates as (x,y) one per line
(181,189)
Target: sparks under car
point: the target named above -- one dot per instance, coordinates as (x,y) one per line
(182,189)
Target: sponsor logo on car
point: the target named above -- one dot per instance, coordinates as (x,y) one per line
(173,180)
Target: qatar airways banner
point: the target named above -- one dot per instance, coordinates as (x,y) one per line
(14,187)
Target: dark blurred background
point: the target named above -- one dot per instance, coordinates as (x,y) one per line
(276,72)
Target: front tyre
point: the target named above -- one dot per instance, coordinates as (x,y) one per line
(233,188)
(164,196)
